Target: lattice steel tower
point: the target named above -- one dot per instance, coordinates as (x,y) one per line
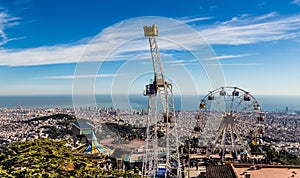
(165,91)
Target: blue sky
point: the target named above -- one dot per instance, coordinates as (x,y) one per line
(252,44)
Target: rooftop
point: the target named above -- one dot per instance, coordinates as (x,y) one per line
(271,172)
(84,125)
(220,171)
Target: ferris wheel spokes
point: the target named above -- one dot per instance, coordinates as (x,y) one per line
(229,113)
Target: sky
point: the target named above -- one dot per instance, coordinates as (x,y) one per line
(54,47)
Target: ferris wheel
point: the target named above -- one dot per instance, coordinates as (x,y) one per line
(229,121)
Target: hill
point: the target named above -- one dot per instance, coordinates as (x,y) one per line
(50,158)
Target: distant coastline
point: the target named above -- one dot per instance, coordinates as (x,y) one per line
(186,102)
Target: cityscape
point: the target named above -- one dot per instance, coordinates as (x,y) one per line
(18,124)
(21,124)
(198,89)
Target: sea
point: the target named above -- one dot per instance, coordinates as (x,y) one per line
(188,102)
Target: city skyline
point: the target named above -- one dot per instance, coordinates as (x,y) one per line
(252,45)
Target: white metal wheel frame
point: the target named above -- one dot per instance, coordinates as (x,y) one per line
(230,114)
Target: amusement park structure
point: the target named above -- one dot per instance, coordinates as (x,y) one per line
(152,160)
(224,119)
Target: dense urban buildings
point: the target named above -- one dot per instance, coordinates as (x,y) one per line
(124,130)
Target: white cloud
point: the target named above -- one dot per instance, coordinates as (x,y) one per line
(6,21)
(126,41)
(174,62)
(235,64)
(241,64)
(182,61)
(248,19)
(194,19)
(81,76)
(266,16)
(249,30)
(122,41)
(297,2)
(230,56)
(189,62)
(41,55)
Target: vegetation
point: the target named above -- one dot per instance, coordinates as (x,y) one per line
(61,120)
(282,157)
(49,158)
